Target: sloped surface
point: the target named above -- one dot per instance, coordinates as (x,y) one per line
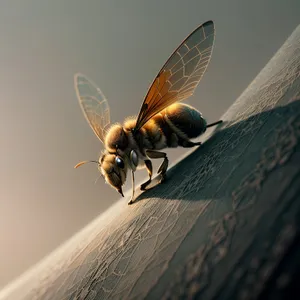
(224,226)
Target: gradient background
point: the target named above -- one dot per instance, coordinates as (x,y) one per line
(121,45)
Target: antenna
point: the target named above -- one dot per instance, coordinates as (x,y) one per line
(86,161)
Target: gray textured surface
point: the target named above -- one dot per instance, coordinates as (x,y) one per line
(220,227)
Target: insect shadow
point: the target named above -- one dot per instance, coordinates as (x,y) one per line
(215,168)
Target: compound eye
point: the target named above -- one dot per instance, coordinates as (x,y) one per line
(134,158)
(120,162)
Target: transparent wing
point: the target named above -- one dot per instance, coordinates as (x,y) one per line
(94,105)
(181,74)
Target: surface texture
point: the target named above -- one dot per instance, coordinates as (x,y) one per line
(224,226)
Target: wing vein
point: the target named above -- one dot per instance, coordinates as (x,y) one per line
(181,74)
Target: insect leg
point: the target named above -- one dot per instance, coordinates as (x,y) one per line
(186,143)
(164,166)
(190,144)
(133,189)
(149,168)
(214,123)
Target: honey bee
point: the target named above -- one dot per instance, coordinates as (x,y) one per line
(162,122)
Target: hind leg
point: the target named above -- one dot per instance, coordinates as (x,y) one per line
(189,144)
(164,166)
(214,123)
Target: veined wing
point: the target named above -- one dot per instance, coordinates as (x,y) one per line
(94,105)
(179,77)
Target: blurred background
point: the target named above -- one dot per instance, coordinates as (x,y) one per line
(120,45)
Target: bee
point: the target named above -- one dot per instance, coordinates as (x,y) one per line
(163,120)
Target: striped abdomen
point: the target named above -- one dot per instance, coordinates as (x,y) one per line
(177,123)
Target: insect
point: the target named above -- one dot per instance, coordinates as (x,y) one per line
(163,121)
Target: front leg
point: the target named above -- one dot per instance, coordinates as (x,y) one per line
(149,168)
(133,188)
(164,166)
